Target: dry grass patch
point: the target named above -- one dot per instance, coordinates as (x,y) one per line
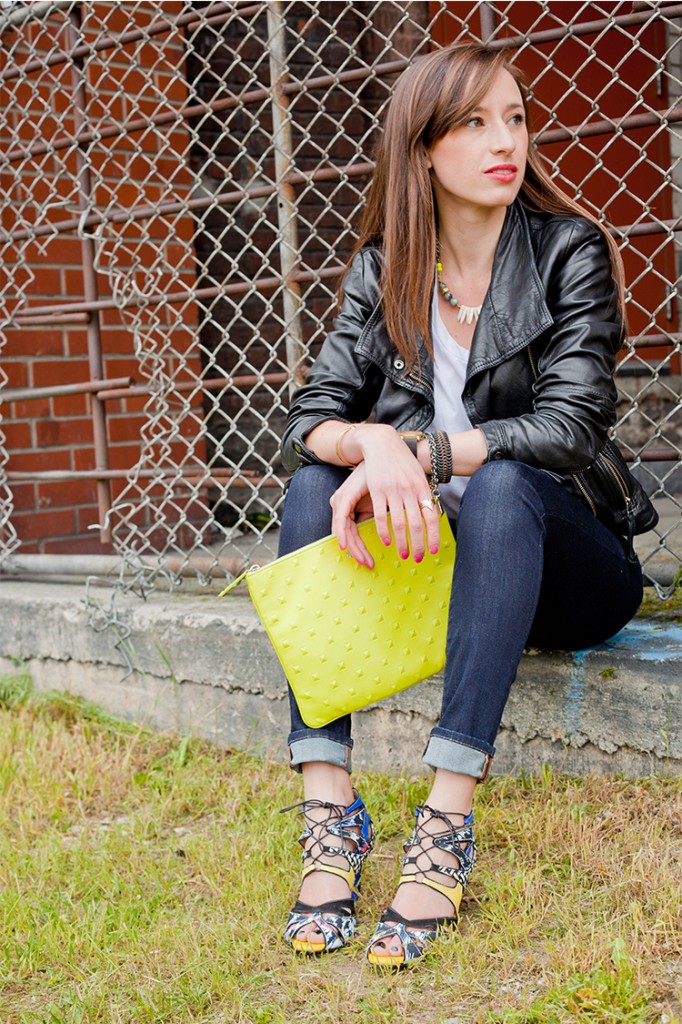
(146,878)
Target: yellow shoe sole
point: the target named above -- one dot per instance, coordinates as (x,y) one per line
(303,946)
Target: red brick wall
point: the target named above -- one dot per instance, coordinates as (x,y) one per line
(55,433)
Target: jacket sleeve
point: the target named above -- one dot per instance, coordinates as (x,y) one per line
(574,396)
(342,384)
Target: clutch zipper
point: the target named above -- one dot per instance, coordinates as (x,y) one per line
(238,579)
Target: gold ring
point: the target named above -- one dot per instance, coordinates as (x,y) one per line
(426,503)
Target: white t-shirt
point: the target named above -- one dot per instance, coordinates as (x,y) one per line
(449,374)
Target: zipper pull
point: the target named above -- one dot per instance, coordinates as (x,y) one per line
(237,580)
(630,516)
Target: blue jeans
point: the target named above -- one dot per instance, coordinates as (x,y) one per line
(533,568)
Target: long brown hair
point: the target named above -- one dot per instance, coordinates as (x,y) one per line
(436,94)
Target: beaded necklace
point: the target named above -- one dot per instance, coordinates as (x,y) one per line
(467,314)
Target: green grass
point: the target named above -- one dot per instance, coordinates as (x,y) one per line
(146,877)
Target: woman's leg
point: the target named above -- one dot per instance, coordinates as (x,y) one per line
(533,566)
(322,755)
(308,517)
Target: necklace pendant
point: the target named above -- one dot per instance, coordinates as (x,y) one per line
(468,314)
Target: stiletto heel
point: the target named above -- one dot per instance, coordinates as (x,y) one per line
(335,920)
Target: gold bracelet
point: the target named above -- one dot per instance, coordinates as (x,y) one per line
(339,456)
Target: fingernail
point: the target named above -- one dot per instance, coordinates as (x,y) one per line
(418,558)
(387,542)
(434,549)
(404,554)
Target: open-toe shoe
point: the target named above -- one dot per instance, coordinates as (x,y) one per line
(415,935)
(333,922)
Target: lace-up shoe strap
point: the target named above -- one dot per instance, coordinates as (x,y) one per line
(457,841)
(340,823)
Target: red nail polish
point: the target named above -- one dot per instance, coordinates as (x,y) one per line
(404,554)
(418,558)
(434,550)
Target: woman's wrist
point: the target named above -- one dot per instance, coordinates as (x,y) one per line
(361,441)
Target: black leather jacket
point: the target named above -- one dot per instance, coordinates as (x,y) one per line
(539,381)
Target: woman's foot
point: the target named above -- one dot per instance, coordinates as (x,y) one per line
(335,841)
(439,859)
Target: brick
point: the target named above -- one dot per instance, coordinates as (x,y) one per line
(23,496)
(48,372)
(70,405)
(17,435)
(120,366)
(124,428)
(65,494)
(77,342)
(28,409)
(63,432)
(72,283)
(47,281)
(66,250)
(16,372)
(117,339)
(39,462)
(44,525)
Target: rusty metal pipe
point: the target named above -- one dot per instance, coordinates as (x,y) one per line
(61,390)
(191,476)
(98,413)
(210,384)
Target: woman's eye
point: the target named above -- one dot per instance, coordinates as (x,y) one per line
(474,122)
(518,119)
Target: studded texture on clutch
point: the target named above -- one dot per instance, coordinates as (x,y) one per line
(347,636)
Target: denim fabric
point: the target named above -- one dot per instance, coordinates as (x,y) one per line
(533,568)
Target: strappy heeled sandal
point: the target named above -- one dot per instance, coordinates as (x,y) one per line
(416,935)
(335,919)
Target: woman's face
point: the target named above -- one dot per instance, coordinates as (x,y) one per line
(481,165)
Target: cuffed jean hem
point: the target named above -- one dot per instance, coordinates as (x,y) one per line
(319,748)
(457,753)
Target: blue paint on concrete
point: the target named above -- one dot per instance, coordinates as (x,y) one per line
(647,640)
(575,695)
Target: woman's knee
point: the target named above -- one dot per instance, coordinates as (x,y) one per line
(307,515)
(501,494)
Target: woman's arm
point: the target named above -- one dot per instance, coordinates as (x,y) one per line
(574,394)
(394,480)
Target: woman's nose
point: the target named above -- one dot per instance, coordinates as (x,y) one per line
(504,140)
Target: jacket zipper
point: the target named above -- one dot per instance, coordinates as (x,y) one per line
(585,494)
(611,467)
(532,364)
(624,490)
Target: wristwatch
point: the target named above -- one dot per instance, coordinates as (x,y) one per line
(412,439)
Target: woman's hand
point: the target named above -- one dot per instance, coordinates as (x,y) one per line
(397,486)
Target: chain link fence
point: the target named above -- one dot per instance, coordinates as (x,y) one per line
(189,176)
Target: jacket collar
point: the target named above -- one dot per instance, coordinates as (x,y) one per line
(514,311)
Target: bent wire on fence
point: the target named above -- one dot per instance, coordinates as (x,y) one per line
(180,189)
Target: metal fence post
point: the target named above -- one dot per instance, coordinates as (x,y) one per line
(286,200)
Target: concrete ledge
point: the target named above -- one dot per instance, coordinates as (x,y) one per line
(193,663)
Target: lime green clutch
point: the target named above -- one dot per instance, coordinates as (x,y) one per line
(347,636)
